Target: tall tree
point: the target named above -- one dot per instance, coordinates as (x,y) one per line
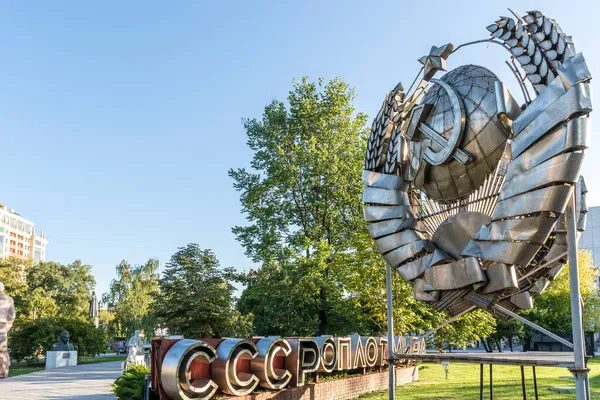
(131,298)
(302,197)
(552,309)
(12,275)
(48,289)
(196,296)
(60,290)
(320,272)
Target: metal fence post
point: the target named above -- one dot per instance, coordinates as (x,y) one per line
(390,317)
(579,371)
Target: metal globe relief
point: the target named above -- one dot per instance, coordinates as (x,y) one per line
(482,138)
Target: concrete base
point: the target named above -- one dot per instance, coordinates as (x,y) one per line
(60,359)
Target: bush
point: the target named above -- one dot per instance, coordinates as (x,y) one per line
(87,339)
(31,339)
(130,386)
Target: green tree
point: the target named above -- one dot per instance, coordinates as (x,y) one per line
(48,289)
(302,197)
(32,339)
(59,290)
(131,298)
(507,329)
(12,274)
(320,272)
(552,309)
(196,296)
(466,330)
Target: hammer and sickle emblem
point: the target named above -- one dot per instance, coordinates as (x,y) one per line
(449,146)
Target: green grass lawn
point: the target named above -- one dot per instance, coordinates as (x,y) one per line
(90,360)
(463,383)
(16,370)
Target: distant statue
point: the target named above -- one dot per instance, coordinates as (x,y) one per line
(134,347)
(64,344)
(94,309)
(93,306)
(7,317)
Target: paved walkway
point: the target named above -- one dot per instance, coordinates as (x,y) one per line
(82,382)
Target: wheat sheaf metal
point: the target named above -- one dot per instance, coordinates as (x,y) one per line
(465,188)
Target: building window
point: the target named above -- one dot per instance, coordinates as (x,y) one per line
(38,243)
(37,256)
(20,237)
(12,234)
(13,243)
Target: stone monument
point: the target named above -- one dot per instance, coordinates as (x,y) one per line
(94,309)
(135,352)
(7,316)
(63,353)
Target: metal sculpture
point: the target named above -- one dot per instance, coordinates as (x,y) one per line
(224,370)
(185,371)
(465,189)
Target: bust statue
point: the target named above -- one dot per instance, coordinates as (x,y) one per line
(64,344)
(7,317)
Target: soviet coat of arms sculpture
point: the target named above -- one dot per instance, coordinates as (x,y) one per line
(465,189)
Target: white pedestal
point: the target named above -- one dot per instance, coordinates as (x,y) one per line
(60,359)
(135,360)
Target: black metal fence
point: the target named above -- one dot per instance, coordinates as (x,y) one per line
(541,342)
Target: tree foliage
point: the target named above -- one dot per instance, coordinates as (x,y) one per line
(319,270)
(48,289)
(507,329)
(196,296)
(131,298)
(31,339)
(60,290)
(552,309)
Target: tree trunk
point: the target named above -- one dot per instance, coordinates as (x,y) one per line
(510,343)
(323,323)
(485,346)
(499,345)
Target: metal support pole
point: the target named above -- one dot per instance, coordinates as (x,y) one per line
(579,369)
(491,384)
(523,383)
(534,326)
(480,381)
(535,383)
(390,317)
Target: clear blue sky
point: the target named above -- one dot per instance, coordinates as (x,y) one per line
(119,120)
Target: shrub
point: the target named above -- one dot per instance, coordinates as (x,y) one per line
(87,339)
(32,339)
(130,386)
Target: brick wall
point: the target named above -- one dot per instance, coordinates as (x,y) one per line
(338,389)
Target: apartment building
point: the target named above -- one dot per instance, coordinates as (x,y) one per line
(18,237)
